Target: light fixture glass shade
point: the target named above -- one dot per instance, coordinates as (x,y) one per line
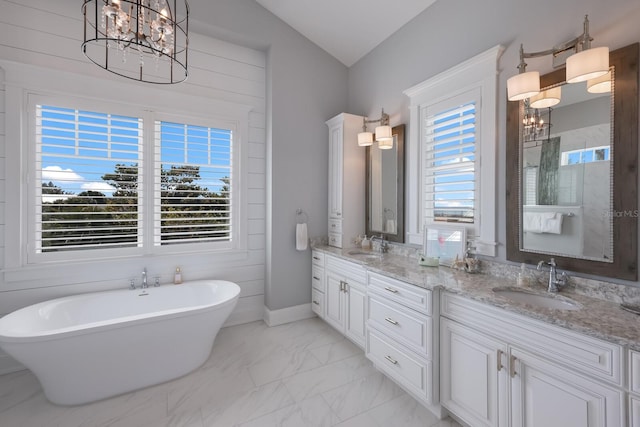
(600,84)
(546,98)
(386,144)
(523,85)
(383,133)
(588,64)
(365,139)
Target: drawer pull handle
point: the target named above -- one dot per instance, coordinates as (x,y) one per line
(395,291)
(512,366)
(499,365)
(316,258)
(391,359)
(390,320)
(316,302)
(316,278)
(341,286)
(333,226)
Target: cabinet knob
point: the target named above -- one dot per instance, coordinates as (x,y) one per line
(391,359)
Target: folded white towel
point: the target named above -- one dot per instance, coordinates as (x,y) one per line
(301,237)
(542,222)
(391,226)
(552,223)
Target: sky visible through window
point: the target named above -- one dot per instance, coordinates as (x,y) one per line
(453,161)
(79,147)
(92,169)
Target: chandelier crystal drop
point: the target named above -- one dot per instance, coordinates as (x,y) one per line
(154,31)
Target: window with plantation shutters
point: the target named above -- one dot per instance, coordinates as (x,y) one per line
(195,183)
(449,160)
(88,169)
(128,184)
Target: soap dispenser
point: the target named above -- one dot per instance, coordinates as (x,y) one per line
(523,280)
(366,243)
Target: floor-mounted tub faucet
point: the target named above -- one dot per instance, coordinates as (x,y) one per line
(144,279)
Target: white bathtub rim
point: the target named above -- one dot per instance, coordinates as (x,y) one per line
(119,322)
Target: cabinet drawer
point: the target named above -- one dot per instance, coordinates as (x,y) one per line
(317,258)
(410,371)
(348,270)
(318,278)
(590,356)
(403,325)
(335,240)
(317,302)
(403,293)
(335,226)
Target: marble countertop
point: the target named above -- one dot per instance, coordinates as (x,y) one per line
(597,318)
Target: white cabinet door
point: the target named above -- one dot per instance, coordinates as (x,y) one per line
(356,296)
(473,375)
(546,395)
(334,301)
(335,171)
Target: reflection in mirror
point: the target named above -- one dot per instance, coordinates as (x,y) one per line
(566,175)
(587,175)
(385,189)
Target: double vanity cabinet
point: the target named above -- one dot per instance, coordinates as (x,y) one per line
(462,355)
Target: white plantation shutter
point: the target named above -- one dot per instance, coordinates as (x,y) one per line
(195,170)
(75,207)
(449,160)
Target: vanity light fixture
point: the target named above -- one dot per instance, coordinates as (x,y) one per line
(600,84)
(143,40)
(384,137)
(586,63)
(546,98)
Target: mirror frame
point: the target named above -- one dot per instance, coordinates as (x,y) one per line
(625,174)
(398,131)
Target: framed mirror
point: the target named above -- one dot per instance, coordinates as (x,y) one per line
(572,175)
(385,189)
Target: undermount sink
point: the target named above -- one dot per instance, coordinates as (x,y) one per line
(536,299)
(364,254)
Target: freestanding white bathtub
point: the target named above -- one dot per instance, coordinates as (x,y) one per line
(91,346)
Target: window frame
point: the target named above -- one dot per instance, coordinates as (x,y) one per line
(23,84)
(478,73)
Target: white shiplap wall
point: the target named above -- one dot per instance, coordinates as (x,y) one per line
(48,34)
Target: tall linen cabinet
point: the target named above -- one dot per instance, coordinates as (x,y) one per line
(346,180)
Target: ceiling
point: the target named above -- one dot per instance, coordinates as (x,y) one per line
(347,29)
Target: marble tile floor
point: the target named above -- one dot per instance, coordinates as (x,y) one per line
(302,374)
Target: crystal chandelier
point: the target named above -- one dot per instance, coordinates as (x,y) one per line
(144,40)
(534,127)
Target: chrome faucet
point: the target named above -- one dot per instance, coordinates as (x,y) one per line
(144,279)
(383,243)
(555,282)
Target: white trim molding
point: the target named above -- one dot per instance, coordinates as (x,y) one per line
(479,72)
(288,314)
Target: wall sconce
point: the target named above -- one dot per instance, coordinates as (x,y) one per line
(585,64)
(384,138)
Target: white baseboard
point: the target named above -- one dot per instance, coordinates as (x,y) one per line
(289,314)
